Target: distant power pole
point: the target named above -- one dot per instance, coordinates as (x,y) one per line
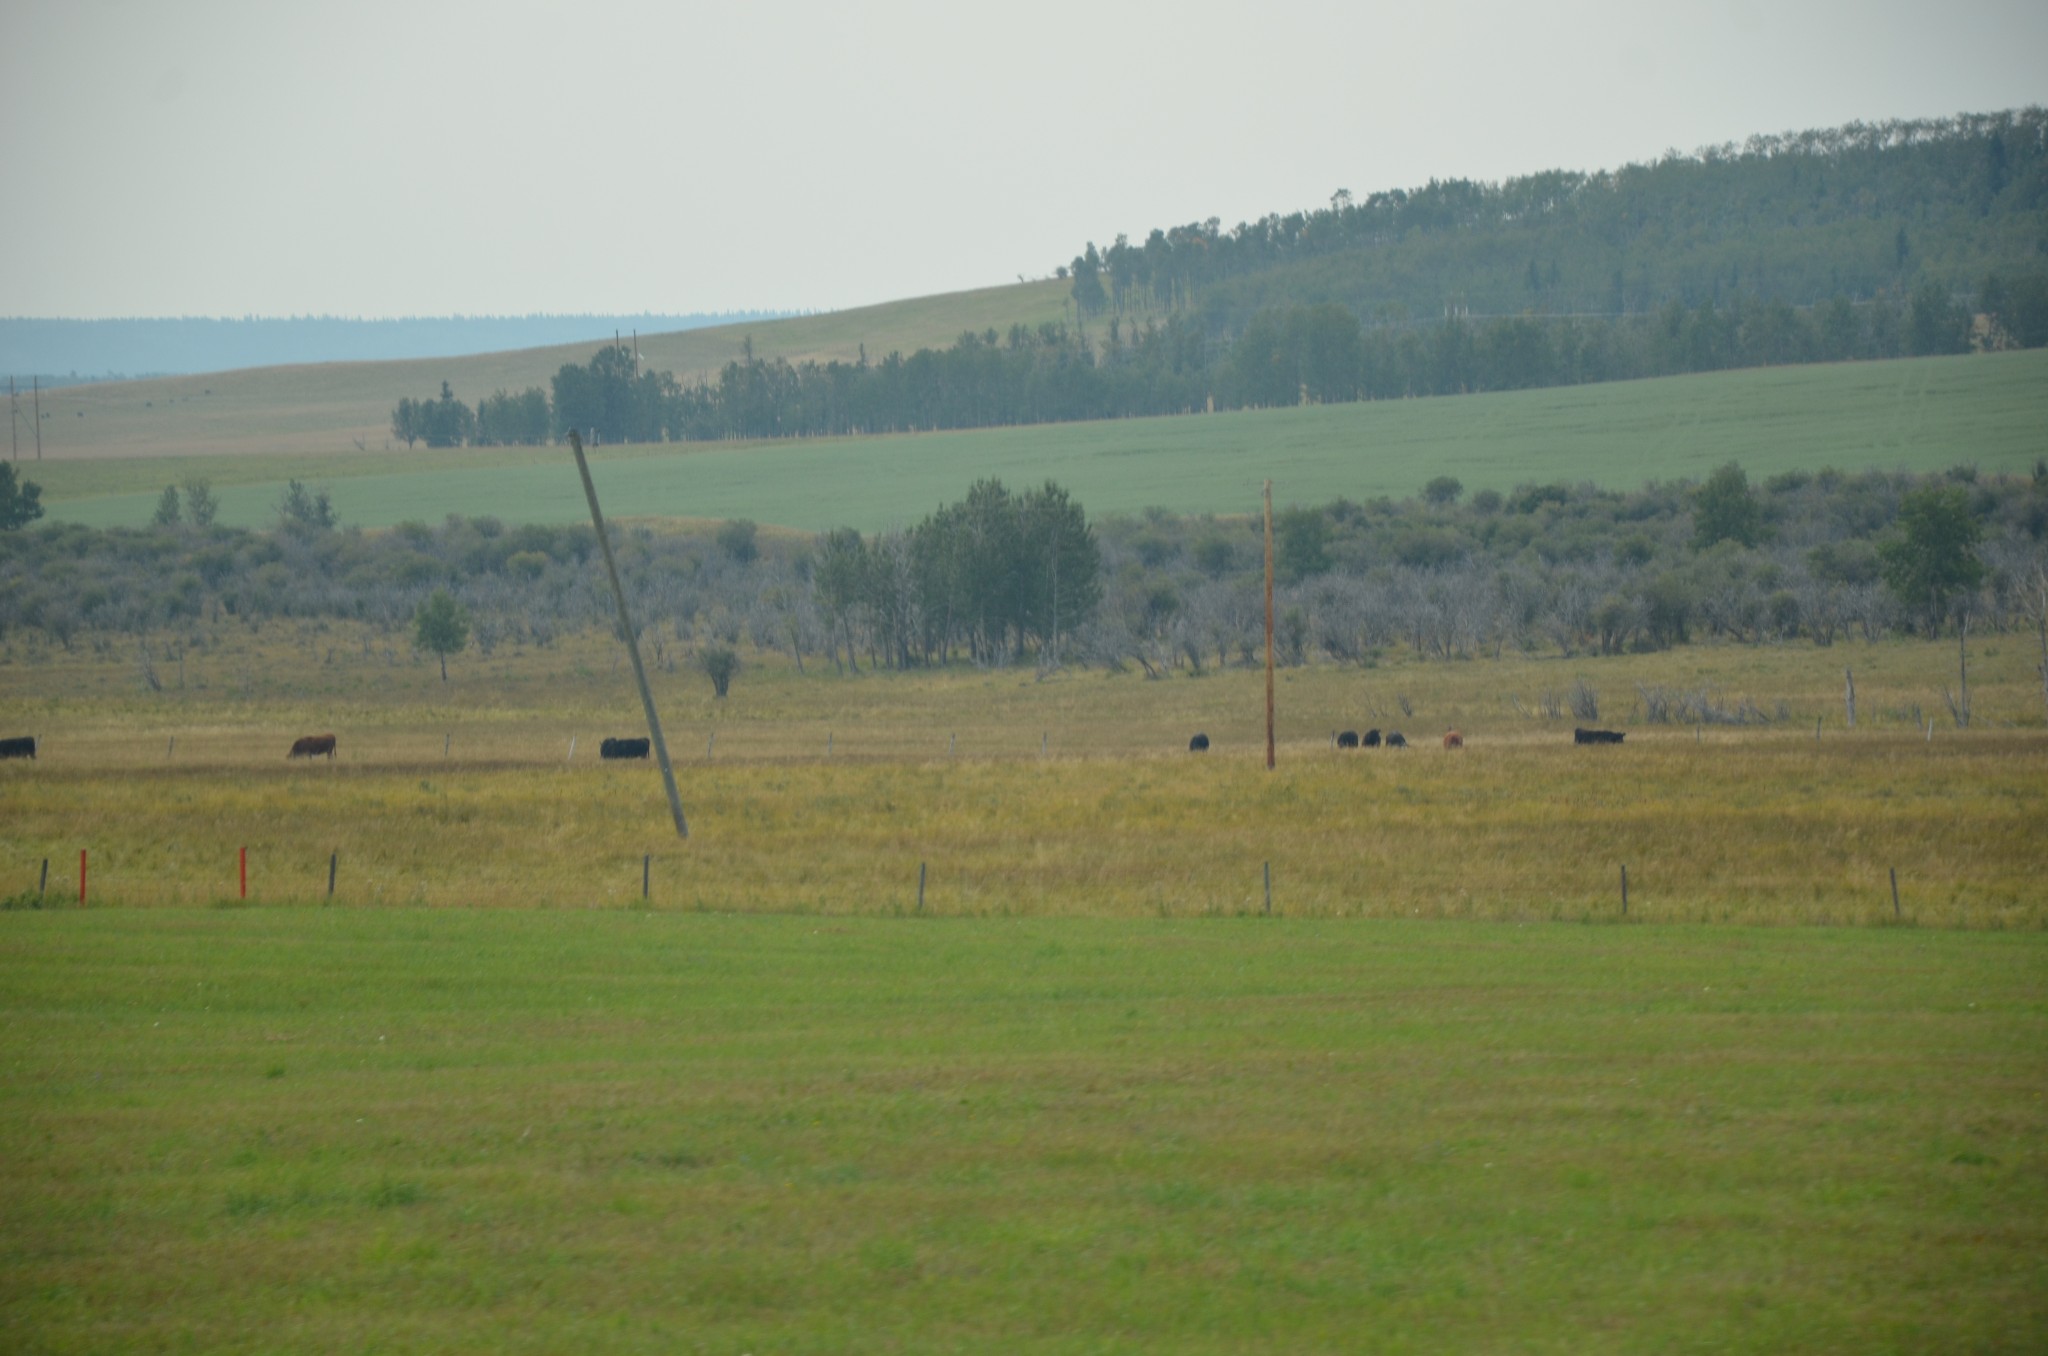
(14,417)
(611,569)
(1269,626)
(36,388)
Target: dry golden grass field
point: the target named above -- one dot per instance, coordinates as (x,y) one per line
(1071,794)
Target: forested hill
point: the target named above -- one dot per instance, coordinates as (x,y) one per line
(1860,212)
(59,351)
(1863,242)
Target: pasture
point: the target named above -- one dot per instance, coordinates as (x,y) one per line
(1068,794)
(1446,1097)
(621,1131)
(1918,414)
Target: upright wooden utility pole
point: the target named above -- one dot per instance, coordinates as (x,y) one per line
(1269,626)
(668,775)
(35,385)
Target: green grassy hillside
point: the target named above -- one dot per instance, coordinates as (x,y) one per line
(336,408)
(1919,414)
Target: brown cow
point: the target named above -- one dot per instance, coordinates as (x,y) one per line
(1453,740)
(312,746)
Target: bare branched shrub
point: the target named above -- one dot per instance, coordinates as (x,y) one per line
(1702,706)
(1656,704)
(1551,704)
(1585,702)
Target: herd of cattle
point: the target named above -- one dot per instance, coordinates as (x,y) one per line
(1394,739)
(315,746)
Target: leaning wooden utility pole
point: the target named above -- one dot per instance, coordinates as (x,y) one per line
(1269,626)
(668,774)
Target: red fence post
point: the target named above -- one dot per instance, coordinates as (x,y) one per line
(81,878)
(245,872)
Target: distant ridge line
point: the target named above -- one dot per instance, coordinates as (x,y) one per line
(64,351)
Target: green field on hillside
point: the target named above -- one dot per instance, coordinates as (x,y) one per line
(622,1131)
(1922,414)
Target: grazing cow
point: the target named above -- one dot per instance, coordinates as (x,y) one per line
(1453,740)
(1596,736)
(1348,740)
(622,748)
(1372,739)
(1395,740)
(1199,744)
(312,746)
(24,747)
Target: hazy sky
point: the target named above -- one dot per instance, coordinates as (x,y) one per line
(205,157)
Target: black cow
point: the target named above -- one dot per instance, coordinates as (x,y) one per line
(1372,738)
(313,746)
(23,747)
(1348,740)
(1395,741)
(1596,736)
(1199,744)
(622,748)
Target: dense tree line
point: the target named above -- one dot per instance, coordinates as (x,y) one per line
(1303,353)
(1001,577)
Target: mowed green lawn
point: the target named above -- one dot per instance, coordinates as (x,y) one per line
(1922,414)
(616,1131)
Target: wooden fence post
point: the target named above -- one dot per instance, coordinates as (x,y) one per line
(1895,893)
(1624,890)
(243,859)
(920,887)
(44,883)
(81,878)
(646,873)
(333,860)
(1269,889)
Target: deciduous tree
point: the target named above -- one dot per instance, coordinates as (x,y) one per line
(441,627)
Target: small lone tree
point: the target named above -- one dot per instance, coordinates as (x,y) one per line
(441,626)
(200,505)
(1726,509)
(168,513)
(1934,556)
(719,665)
(1443,490)
(20,504)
